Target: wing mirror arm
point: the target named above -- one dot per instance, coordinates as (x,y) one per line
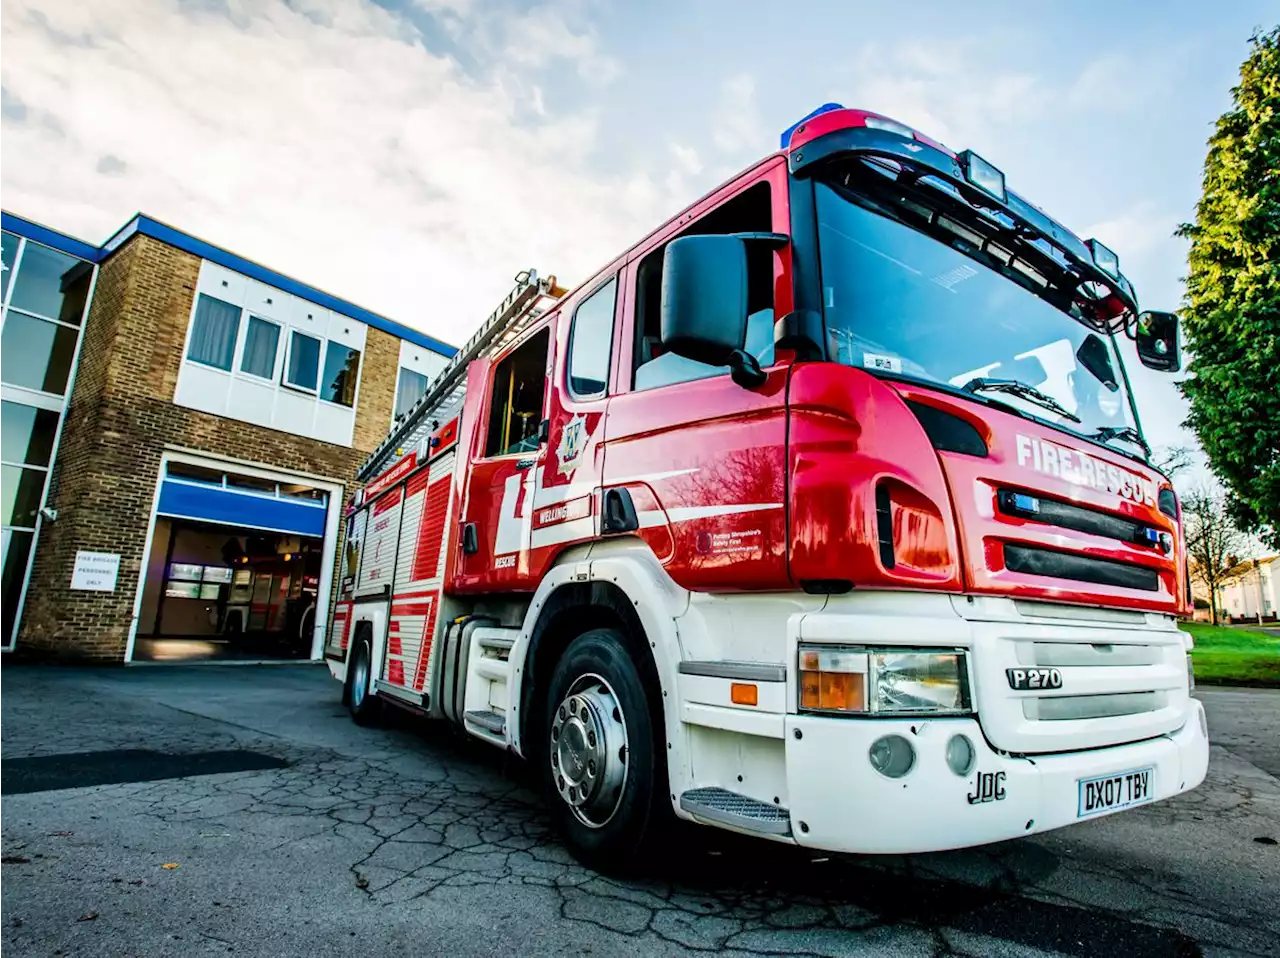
(745,370)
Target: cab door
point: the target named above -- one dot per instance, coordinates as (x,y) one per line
(506,455)
(566,503)
(702,460)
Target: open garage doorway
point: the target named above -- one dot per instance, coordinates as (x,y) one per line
(236,568)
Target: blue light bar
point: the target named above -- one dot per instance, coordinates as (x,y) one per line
(825,108)
(1024,503)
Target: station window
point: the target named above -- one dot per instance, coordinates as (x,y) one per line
(213,333)
(411,387)
(302,368)
(341,371)
(261,339)
(749,212)
(515,406)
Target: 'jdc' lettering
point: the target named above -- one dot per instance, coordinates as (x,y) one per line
(989,788)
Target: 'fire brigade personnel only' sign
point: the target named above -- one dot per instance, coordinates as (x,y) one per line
(96,571)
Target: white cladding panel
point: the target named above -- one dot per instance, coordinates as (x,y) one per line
(421,360)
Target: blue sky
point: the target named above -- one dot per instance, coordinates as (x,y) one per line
(413,155)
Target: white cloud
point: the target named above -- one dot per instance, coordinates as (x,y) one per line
(1135,231)
(686,158)
(541,35)
(737,127)
(955,92)
(324,140)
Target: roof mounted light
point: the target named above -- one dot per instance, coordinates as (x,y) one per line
(983,175)
(825,108)
(1104,259)
(890,126)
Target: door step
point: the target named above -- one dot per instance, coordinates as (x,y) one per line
(500,644)
(729,808)
(489,721)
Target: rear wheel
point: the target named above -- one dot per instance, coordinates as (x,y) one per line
(361,702)
(602,774)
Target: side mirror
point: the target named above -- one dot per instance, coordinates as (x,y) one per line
(704,298)
(1156,337)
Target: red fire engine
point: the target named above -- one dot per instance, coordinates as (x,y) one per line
(822,514)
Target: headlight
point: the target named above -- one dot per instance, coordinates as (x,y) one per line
(883,681)
(1191,675)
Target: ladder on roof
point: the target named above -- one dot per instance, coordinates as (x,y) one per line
(528,299)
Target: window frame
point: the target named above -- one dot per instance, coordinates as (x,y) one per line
(543,328)
(773,177)
(243,347)
(328,343)
(613,279)
(401,369)
(284,370)
(236,346)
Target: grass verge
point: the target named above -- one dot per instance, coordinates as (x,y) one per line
(1234,656)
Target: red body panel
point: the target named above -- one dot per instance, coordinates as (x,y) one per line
(705,463)
(1016,464)
(849,432)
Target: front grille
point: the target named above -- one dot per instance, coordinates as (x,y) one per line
(1092,655)
(1066,708)
(1128,677)
(1033,560)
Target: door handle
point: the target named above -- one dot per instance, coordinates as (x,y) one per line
(470,539)
(619,512)
(524,464)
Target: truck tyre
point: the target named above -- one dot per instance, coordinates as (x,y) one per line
(604,782)
(361,702)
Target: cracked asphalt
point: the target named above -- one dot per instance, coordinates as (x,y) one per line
(339,840)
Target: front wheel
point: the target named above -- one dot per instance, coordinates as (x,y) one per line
(603,777)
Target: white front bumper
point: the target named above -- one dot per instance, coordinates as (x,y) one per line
(839,802)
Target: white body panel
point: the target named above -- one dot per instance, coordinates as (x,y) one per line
(813,769)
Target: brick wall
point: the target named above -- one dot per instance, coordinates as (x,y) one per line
(381,363)
(119,420)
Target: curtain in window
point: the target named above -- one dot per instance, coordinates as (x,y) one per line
(260,341)
(412,387)
(213,333)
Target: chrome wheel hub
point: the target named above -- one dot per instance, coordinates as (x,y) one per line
(589,750)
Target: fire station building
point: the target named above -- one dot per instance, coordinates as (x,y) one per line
(181,429)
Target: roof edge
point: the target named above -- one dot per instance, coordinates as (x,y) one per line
(47,236)
(145,225)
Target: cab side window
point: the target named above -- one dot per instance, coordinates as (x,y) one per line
(749,212)
(515,405)
(591,342)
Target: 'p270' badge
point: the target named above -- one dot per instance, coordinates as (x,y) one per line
(1034,678)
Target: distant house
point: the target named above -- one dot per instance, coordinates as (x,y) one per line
(1256,591)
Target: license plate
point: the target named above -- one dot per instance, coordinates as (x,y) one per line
(1107,793)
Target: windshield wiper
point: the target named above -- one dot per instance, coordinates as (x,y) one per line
(1022,391)
(1107,433)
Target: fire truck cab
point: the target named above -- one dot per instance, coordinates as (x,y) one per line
(822,514)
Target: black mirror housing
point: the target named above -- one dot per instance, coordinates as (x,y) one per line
(1156,338)
(704,298)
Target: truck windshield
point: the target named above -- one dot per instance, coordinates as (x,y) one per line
(912,292)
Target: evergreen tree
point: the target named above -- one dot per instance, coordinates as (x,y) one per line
(1231,316)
